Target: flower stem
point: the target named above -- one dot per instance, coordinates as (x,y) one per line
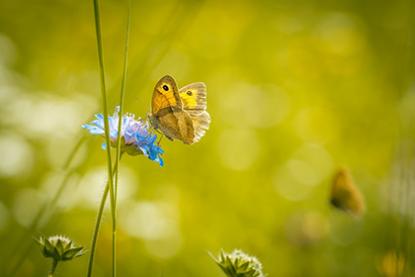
(122,94)
(98,224)
(106,125)
(53,268)
(118,149)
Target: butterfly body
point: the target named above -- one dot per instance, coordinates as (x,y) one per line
(180,114)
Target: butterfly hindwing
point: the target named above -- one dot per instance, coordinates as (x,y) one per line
(176,125)
(194,99)
(201,124)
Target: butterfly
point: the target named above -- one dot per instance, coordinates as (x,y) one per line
(180,113)
(345,195)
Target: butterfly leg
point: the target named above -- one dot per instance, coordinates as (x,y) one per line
(161,137)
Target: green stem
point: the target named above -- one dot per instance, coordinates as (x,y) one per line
(118,149)
(106,123)
(98,225)
(122,93)
(53,268)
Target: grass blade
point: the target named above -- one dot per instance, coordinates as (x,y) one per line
(97,17)
(118,150)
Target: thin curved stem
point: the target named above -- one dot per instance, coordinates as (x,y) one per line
(98,225)
(122,93)
(106,122)
(118,149)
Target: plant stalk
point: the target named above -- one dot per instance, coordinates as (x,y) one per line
(97,227)
(106,128)
(53,268)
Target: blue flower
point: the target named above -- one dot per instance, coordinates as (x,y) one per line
(135,135)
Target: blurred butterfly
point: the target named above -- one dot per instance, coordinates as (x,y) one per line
(180,113)
(345,195)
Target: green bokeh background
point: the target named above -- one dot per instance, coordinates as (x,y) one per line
(296,89)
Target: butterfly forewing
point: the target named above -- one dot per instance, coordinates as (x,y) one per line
(165,96)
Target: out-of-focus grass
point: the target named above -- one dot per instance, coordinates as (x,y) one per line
(296,89)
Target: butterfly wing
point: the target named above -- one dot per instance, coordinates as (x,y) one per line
(194,97)
(167,113)
(165,96)
(194,101)
(345,195)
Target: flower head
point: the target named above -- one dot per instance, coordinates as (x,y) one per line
(59,248)
(239,264)
(135,135)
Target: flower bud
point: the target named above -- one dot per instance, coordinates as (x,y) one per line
(59,248)
(239,264)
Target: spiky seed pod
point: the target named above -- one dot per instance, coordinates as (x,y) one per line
(239,264)
(59,248)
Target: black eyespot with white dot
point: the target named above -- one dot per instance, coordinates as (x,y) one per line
(189,93)
(165,87)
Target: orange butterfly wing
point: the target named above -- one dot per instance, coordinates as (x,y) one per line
(165,96)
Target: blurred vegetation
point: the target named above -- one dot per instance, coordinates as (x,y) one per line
(296,89)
